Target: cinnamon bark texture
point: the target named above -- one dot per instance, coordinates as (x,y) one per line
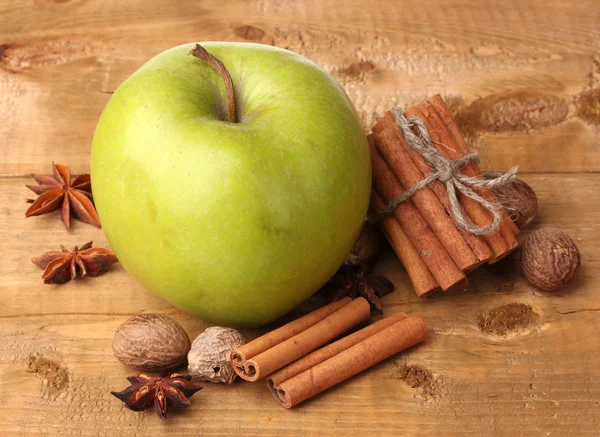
(331,350)
(477,244)
(458,148)
(271,352)
(426,219)
(417,270)
(376,343)
(432,252)
(394,149)
(478,214)
(279,335)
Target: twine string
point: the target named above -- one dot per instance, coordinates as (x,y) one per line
(447,172)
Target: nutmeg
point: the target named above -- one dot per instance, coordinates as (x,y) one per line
(209,356)
(367,247)
(151,343)
(550,259)
(518,198)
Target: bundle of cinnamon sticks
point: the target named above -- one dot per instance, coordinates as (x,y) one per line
(436,253)
(296,365)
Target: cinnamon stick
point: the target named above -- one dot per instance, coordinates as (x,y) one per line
(331,350)
(425,241)
(395,150)
(318,331)
(477,244)
(267,341)
(476,212)
(368,352)
(440,123)
(420,276)
(442,110)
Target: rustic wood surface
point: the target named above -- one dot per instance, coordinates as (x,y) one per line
(523,78)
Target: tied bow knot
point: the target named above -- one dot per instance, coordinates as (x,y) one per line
(447,172)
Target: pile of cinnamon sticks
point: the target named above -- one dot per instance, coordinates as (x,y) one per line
(436,253)
(296,365)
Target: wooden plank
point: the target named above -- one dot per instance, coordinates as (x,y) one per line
(540,380)
(60,62)
(523,79)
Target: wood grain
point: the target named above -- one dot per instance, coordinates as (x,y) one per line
(541,379)
(522,77)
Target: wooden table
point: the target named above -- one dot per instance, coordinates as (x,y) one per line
(60,60)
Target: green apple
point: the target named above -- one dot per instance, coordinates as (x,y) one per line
(235,222)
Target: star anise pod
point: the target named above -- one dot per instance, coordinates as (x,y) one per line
(64,265)
(73,196)
(161,392)
(354,281)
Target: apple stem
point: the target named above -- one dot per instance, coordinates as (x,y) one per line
(200,52)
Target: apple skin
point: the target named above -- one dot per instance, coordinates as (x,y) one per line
(236,223)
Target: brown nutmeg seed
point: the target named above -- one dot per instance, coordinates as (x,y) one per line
(550,259)
(367,247)
(151,343)
(209,356)
(518,198)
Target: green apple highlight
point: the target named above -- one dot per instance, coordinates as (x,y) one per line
(235,222)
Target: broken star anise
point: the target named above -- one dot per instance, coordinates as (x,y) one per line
(73,196)
(161,392)
(354,281)
(64,265)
